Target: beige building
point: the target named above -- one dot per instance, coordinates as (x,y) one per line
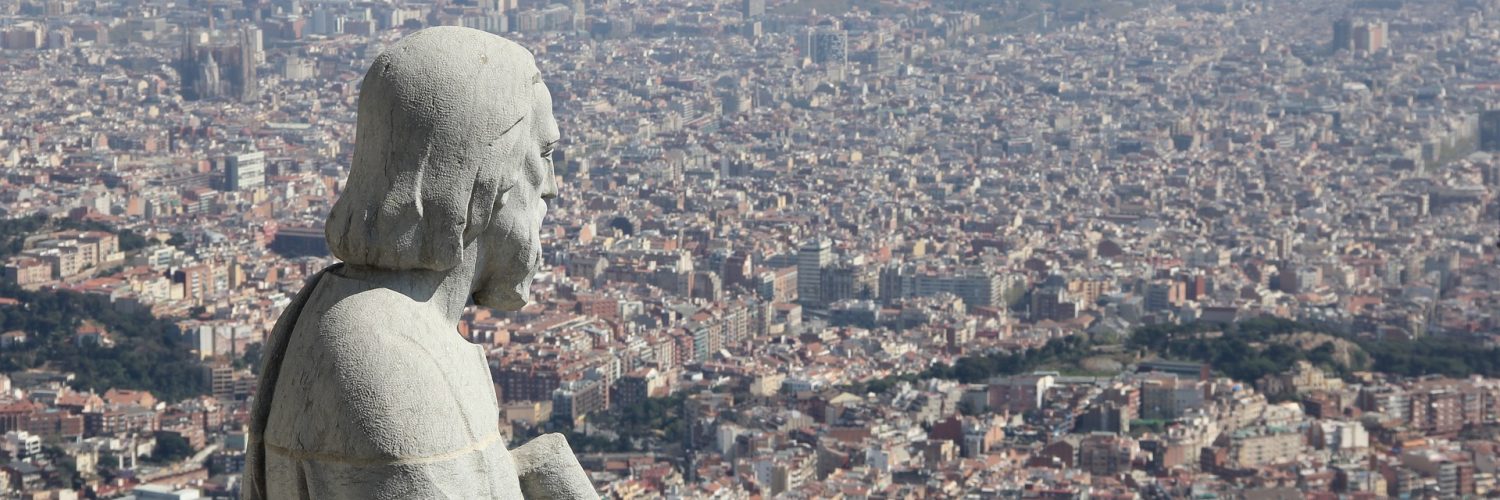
(1165,396)
(1256,446)
(1301,379)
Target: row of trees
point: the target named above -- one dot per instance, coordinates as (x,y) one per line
(1242,351)
(1446,357)
(13,233)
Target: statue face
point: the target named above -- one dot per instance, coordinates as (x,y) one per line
(510,249)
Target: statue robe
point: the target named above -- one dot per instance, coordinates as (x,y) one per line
(366,393)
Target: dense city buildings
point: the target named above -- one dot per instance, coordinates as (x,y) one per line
(808,249)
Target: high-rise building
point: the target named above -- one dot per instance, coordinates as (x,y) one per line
(1369,36)
(580,22)
(526,21)
(1168,397)
(257,40)
(1019,393)
(556,18)
(298,69)
(575,399)
(1362,36)
(975,286)
(493,6)
(850,280)
(812,259)
(1489,130)
(1343,35)
(738,269)
(490,23)
(1164,294)
(753,8)
(828,45)
(1053,303)
(23,36)
(325,21)
(732,102)
(244,171)
(60,38)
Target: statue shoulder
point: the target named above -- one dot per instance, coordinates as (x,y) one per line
(374,374)
(377,308)
(344,306)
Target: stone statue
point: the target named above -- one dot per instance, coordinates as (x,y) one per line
(367,391)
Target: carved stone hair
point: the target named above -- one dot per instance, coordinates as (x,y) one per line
(432,154)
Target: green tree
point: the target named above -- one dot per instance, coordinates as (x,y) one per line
(251,359)
(148,352)
(170,447)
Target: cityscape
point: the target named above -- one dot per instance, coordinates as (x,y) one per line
(842,249)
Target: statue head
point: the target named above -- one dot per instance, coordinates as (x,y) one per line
(452,149)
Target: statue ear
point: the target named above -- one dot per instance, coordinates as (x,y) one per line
(491,183)
(489,195)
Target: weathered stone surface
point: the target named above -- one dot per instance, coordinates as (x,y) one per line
(367,391)
(548,470)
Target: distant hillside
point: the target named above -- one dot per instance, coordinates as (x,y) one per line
(1244,351)
(59,329)
(13,232)
(1344,352)
(1248,349)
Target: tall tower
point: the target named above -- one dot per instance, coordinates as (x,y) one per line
(207,83)
(580,17)
(249,53)
(812,259)
(187,66)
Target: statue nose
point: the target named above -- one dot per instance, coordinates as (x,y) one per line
(549,183)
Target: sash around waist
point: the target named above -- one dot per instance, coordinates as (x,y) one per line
(479,445)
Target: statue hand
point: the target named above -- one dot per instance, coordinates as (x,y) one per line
(548,470)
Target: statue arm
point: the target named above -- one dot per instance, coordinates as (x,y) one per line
(549,471)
